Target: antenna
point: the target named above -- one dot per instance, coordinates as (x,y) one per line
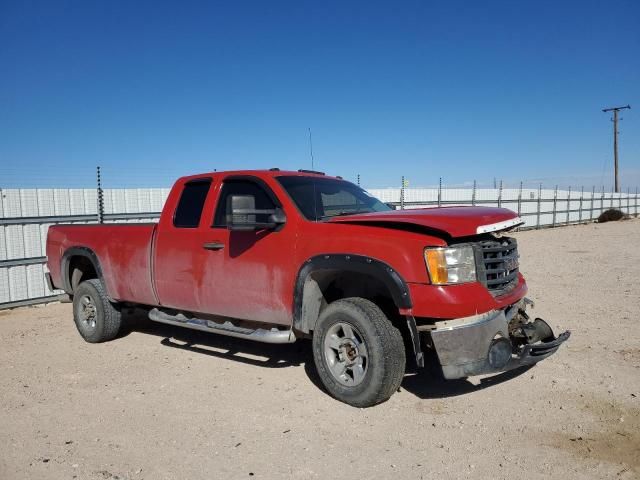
(311,148)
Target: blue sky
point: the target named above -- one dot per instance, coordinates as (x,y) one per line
(463,90)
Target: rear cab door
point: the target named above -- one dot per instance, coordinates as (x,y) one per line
(177,252)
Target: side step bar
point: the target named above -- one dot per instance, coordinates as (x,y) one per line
(227,328)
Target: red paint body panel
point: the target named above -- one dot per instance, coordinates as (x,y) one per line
(455,221)
(253,277)
(458,301)
(124,251)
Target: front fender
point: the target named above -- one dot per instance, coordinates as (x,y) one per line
(347,263)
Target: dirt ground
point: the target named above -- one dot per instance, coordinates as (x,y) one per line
(168,403)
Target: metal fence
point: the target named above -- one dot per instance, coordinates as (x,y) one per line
(25,217)
(26,214)
(538,207)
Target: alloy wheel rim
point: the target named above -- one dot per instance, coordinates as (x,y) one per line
(346,354)
(87,312)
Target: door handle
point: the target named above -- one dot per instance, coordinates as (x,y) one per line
(213,246)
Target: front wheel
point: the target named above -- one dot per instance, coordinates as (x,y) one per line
(96,318)
(358,353)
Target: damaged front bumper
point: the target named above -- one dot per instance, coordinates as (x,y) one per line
(493,342)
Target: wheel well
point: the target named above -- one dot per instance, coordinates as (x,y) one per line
(322,287)
(80,269)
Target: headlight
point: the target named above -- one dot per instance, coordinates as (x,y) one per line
(450,265)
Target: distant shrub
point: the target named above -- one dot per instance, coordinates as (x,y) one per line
(611,215)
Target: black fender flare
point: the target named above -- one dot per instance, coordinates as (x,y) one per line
(349,263)
(65,263)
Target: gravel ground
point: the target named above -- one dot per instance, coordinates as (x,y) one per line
(168,403)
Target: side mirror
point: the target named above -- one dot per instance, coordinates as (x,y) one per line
(243,215)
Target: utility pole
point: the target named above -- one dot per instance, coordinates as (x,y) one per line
(615,111)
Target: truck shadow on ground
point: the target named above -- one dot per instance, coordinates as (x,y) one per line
(220,346)
(427,383)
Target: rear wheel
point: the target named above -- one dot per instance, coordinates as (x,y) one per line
(358,353)
(96,318)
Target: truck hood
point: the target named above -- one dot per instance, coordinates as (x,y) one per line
(453,221)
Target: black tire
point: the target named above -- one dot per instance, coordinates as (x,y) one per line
(383,347)
(97,319)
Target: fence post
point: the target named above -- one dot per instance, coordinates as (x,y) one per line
(500,195)
(580,206)
(539,202)
(6,248)
(619,201)
(473,194)
(22,214)
(611,198)
(84,201)
(593,196)
(358,179)
(440,191)
(636,201)
(628,193)
(6,239)
(520,199)
(568,206)
(402,194)
(555,205)
(100,199)
(602,200)
(40,244)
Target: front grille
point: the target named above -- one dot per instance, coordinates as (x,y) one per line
(498,264)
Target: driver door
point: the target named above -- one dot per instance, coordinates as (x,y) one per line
(249,274)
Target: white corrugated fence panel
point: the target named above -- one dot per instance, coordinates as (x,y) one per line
(90,201)
(3,243)
(76,201)
(32,241)
(29,240)
(35,281)
(13,239)
(18,283)
(46,202)
(29,203)
(132,204)
(5,295)
(61,200)
(11,203)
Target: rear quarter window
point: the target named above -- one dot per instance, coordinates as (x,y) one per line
(191,203)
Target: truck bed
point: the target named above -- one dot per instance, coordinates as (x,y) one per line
(123,249)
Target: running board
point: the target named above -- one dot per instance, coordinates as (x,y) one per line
(227,328)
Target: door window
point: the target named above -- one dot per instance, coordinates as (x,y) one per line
(264,199)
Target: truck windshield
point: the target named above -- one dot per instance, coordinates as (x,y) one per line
(322,198)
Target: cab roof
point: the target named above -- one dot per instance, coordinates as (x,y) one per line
(272,172)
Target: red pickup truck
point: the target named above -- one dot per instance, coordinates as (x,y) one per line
(274,256)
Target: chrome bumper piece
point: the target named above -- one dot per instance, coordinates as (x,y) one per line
(463,345)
